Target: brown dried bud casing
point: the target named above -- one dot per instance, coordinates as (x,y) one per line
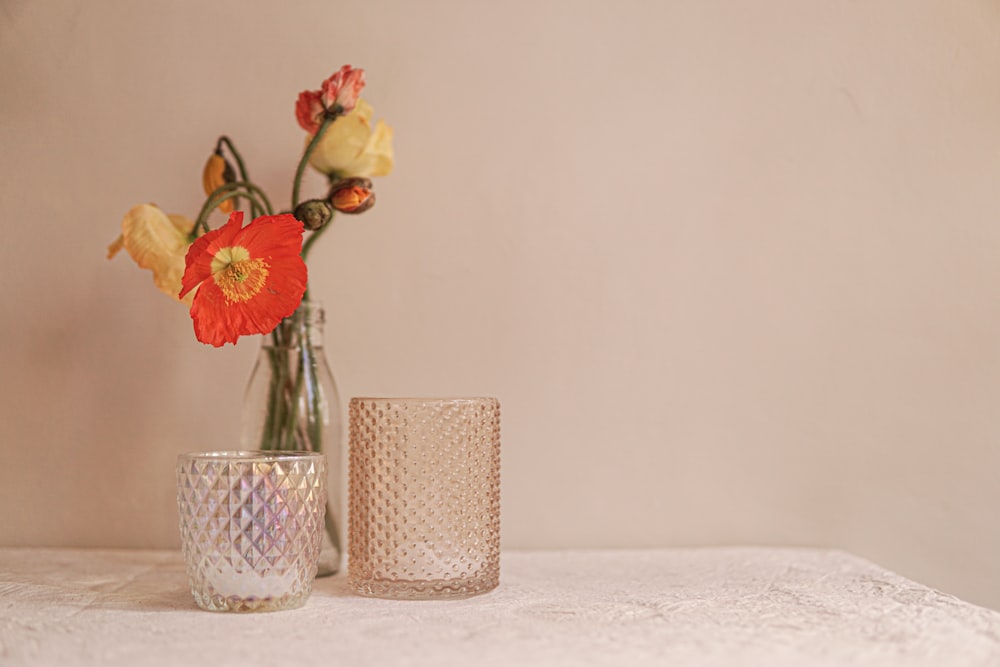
(352,195)
(313,213)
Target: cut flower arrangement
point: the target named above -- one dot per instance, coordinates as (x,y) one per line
(239,280)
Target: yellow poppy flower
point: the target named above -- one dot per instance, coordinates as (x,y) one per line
(351,147)
(158,242)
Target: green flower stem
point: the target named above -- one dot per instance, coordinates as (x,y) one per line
(294,378)
(273,400)
(276,335)
(292,433)
(287,427)
(308,368)
(280,432)
(260,193)
(281,403)
(297,184)
(211,204)
(307,246)
(236,156)
(256,196)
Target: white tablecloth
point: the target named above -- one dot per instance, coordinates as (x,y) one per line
(677,607)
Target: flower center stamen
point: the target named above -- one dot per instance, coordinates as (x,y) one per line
(238,276)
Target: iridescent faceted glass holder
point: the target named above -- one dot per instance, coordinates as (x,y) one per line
(424,497)
(251,527)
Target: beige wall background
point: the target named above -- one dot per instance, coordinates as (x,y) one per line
(731,267)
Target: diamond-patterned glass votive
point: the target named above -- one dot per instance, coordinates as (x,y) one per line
(251,526)
(424,497)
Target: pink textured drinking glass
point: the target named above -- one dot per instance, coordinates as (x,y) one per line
(424,497)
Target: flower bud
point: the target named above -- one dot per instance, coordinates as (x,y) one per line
(217,173)
(352,195)
(313,213)
(340,92)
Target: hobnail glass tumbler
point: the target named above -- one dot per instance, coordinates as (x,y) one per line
(424,497)
(251,527)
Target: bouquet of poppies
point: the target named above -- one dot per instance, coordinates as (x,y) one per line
(242,280)
(239,280)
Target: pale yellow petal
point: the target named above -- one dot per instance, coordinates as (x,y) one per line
(184,226)
(341,144)
(116,246)
(158,242)
(377,157)
(363,110)
(350,148)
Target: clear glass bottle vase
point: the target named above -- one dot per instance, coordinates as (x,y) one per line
(292,404)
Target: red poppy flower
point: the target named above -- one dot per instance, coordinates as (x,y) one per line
(343,88)
(309,110)
(248,278)
(338,94)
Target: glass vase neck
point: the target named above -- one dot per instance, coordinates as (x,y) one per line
(304,326)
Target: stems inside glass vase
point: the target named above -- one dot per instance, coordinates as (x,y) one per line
(291,422)
(300,394)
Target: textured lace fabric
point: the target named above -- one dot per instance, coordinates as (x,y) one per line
(677,607)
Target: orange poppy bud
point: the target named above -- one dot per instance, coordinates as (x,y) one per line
(217,173)
(352,195)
